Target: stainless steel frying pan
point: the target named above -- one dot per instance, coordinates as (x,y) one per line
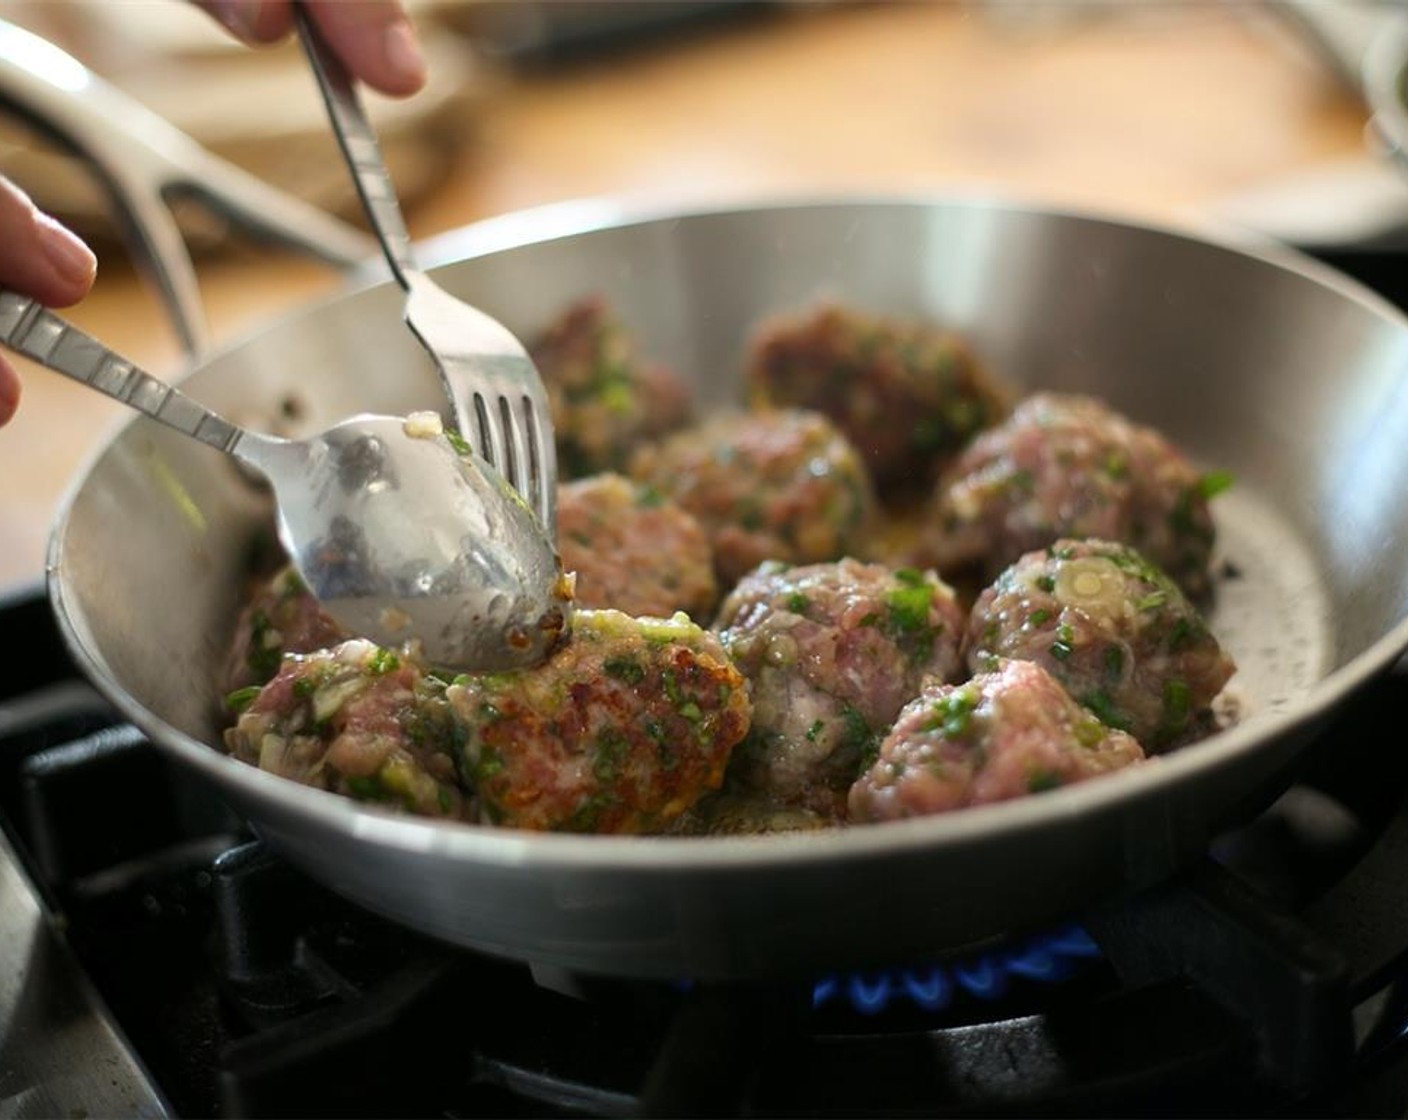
(1253,359)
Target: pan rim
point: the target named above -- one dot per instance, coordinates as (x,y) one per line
(664,855)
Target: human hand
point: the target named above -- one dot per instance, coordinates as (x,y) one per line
(373,38)
(40,258)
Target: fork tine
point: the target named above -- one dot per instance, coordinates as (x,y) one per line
(518,467)
(540,462)
(510,439)
(491,432)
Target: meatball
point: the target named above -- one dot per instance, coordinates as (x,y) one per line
(357,720)
(1065,465)
(633,549)
(831,652)
(1113,629)
(775,485)
(281,616)
(624,728)
(1004,733)
(908,394)
(603,396)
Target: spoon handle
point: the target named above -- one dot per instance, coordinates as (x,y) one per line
(30,329)
(360,148)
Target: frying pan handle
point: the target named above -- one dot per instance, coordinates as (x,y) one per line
(143,162)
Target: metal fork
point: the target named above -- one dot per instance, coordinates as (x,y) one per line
(500,404)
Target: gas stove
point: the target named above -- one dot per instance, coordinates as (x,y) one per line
(156,959)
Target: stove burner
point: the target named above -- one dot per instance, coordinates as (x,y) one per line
(1047,959)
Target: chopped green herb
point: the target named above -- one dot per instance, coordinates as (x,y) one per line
(242,698)
(382,661)
(1103,707)
(952,714)
(611,747)
(1089,732)
(1214,483)
(458,442)
(264,655)
(908,608)
(1177,704)
(365,789)
(626,669)
(1151,601)
(489,764)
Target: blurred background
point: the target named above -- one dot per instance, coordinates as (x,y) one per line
(1257,114)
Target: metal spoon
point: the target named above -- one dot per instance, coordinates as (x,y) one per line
(400,537)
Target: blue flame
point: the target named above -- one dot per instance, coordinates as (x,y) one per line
(1047,959)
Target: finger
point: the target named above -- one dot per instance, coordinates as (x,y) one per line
(38,256)
(9,392)
(374,38)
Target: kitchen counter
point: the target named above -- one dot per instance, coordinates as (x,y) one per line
(1146,110)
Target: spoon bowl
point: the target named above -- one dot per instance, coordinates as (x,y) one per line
(402,536)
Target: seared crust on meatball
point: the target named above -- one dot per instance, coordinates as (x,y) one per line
(281,616)
(1066,465)
(907,393)
(1006,733)
(783,485)
(357,720)
(603,396)
(832,652)
(633,549)
(624,728)
(1113,629)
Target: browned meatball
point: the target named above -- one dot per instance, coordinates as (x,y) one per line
(1113,629)
(633,549)
(603,396)
(1065,465)
(907,393)
(281,616)
(1002,734)
(624,728)
(832,652)
(784,485)
(357,720)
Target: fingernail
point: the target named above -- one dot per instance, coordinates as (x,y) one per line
(66,252)
(403,53)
